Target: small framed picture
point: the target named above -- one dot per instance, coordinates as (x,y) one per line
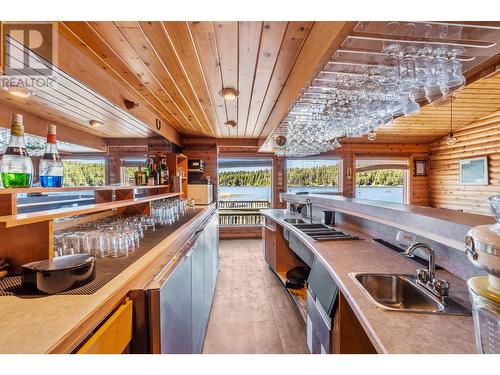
(420,168)
(474,171)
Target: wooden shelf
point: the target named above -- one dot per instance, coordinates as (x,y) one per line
(76,188)
(10,221)
(299,296)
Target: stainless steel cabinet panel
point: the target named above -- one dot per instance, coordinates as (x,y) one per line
(199,316)
(302,251)
(319,327)
(175,310)
(323,286)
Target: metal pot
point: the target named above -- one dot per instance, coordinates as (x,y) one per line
(59,274)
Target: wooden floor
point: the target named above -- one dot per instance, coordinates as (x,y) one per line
(252,312)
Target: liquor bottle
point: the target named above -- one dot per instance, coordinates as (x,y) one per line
(16,167)
(139,176)
(51,166)
(155,175)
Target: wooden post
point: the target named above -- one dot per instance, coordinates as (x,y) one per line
(27,243)
(8,204)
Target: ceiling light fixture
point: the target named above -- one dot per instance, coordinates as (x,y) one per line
(451,139)
(229,93)
(95,123)
(231,124)
(19,91)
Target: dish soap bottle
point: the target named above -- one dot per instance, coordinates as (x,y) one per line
(16,167)
(51,165)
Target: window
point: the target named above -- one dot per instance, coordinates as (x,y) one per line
(84,172)
(244,189)
(382,179)
(128,166)
(314,175)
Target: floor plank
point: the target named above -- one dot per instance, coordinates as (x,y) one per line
(251,312)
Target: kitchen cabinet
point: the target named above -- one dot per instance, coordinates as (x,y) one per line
(114,335)
(171,316)
(269,243)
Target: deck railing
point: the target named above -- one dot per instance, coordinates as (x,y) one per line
(241,212)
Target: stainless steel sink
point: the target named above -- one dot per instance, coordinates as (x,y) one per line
(397,292)
(294,221)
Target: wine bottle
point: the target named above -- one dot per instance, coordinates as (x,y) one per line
(155,175)
(139,176)
(51,166)
(164,172)
(16,167)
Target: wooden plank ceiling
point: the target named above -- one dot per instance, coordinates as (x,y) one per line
(476,101)
(180,67)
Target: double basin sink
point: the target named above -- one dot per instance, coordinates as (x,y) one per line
(319,232)
(390,292)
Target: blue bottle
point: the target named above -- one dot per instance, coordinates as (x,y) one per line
(51,165)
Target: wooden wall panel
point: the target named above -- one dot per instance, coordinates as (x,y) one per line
(480,138)
(419,185)
(205,149)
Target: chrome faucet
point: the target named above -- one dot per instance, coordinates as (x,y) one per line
(427,278)
(310,207)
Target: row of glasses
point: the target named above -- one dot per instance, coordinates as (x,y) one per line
(168,211)
(115,237)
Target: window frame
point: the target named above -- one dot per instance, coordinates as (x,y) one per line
(99,158)
(139,159)
(272,181)
(332,157)
(406,174)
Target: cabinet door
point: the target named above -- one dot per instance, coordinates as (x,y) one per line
(269,244)
(175,310)
(199,316)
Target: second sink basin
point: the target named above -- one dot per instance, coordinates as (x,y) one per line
(399,292)
(294,221)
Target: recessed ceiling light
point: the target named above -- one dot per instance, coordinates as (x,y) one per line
(231,124)
(229,93)
(18,91)
(95,123)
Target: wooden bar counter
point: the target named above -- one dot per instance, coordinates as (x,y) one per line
(60,323)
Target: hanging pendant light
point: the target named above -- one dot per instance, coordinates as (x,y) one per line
(451,139)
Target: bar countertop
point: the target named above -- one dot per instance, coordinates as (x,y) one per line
(58,323)
(389,331)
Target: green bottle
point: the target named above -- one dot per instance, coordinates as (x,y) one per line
(16,167)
